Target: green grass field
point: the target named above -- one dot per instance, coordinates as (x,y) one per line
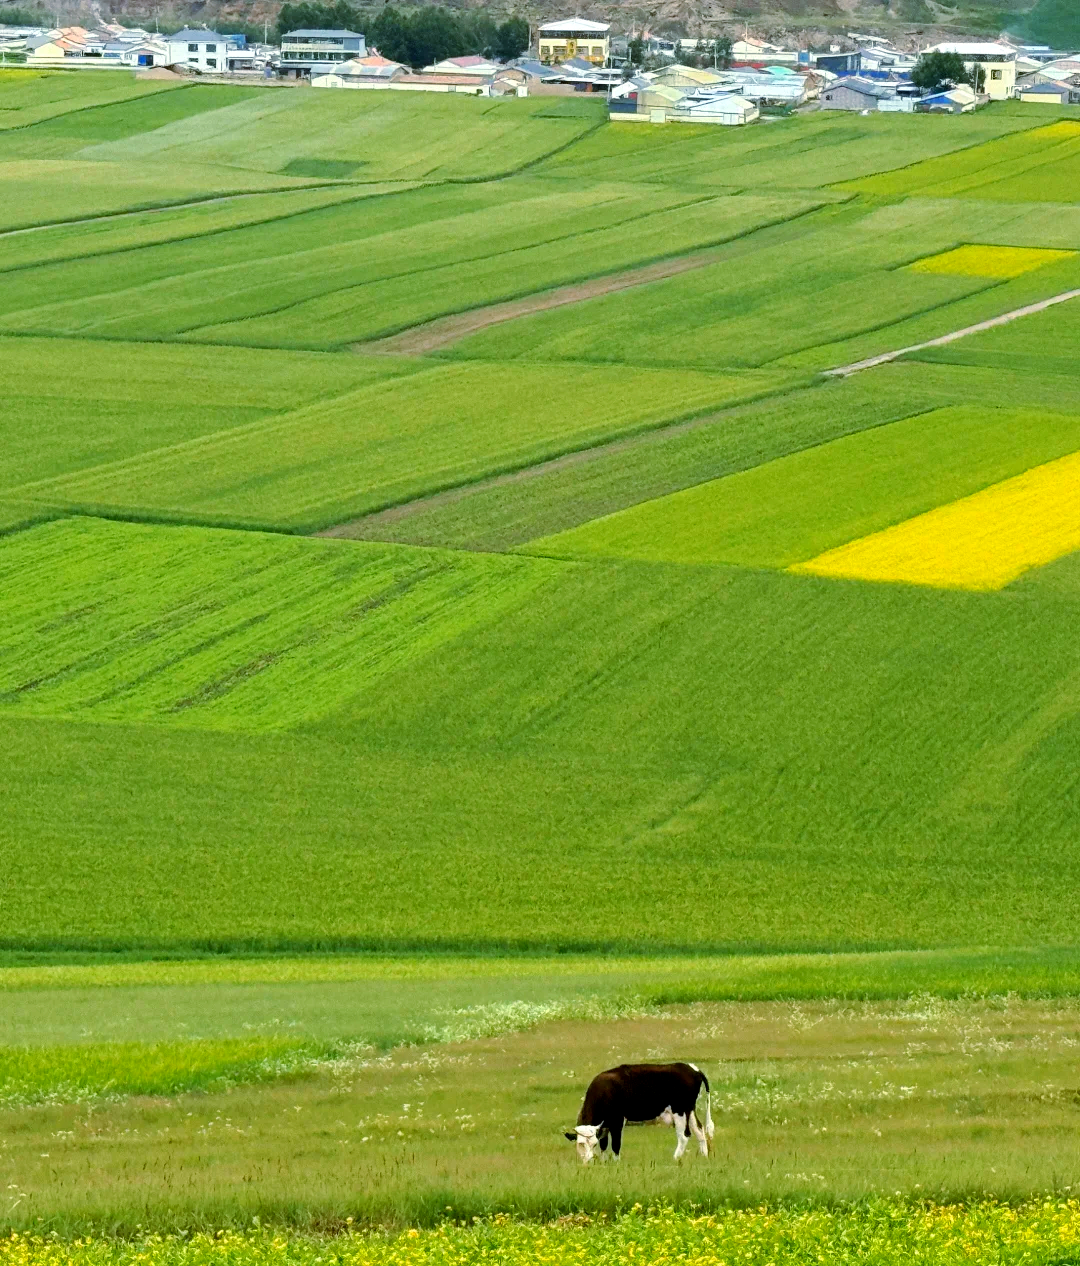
(358,269)
(403,436)
(391,741)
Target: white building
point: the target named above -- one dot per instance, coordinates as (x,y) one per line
(200,49)
(996,61)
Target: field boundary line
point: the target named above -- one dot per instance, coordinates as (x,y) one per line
(845,371)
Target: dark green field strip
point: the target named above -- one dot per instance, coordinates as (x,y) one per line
(418,427)
(800,748)
(553,497)
(117,232)
(132,398)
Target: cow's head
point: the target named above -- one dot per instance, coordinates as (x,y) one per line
(588,1139)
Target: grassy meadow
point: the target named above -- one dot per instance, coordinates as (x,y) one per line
(391,740)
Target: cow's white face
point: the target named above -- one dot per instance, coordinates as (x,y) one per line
(587,1140)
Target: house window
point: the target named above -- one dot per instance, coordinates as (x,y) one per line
(193,61)
(212,63)
(211,48)
(995,74)
(193,48)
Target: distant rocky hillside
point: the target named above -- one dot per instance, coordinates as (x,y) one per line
(803,23)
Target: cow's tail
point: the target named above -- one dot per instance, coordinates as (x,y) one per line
(710,1129)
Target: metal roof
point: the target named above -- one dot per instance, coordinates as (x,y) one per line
(576,24)
(866,86)
(977,50)
(320,34)
(189,35)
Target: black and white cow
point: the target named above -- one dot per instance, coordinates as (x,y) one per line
(642,1092)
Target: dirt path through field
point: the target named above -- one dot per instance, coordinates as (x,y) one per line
(419,340)
(845,370)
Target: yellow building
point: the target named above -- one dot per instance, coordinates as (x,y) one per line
(996,61)
(574,37)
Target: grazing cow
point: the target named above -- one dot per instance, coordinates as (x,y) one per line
(642,1092)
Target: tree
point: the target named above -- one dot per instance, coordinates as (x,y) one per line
(635,51)
(390,35)
(512,39)
(934,71)
(434,34)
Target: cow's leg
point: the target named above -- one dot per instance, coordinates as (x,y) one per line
(682,1134)
(616,1141)
(699,1133)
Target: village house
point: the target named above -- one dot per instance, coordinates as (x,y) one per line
(996,61)
(568,38)
(309,52)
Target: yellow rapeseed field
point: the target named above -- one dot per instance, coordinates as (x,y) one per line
(1065,130)
(980,542)
(1004,262)
(883,1232)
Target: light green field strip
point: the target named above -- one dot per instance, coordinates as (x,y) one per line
(892,973)
(125,230)
(16,515)
(54,420)
(44,192)
(355,271)
(27,98)
(792,509)
(807,151)
(1039,165)
(226,629)
(388,138)
(389,442)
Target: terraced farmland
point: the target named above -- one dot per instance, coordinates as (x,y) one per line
(588,656)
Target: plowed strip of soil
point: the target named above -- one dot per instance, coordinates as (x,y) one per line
(419,340)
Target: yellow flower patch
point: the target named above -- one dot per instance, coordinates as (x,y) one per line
(1002,262)
(1065,130)
(980,542)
